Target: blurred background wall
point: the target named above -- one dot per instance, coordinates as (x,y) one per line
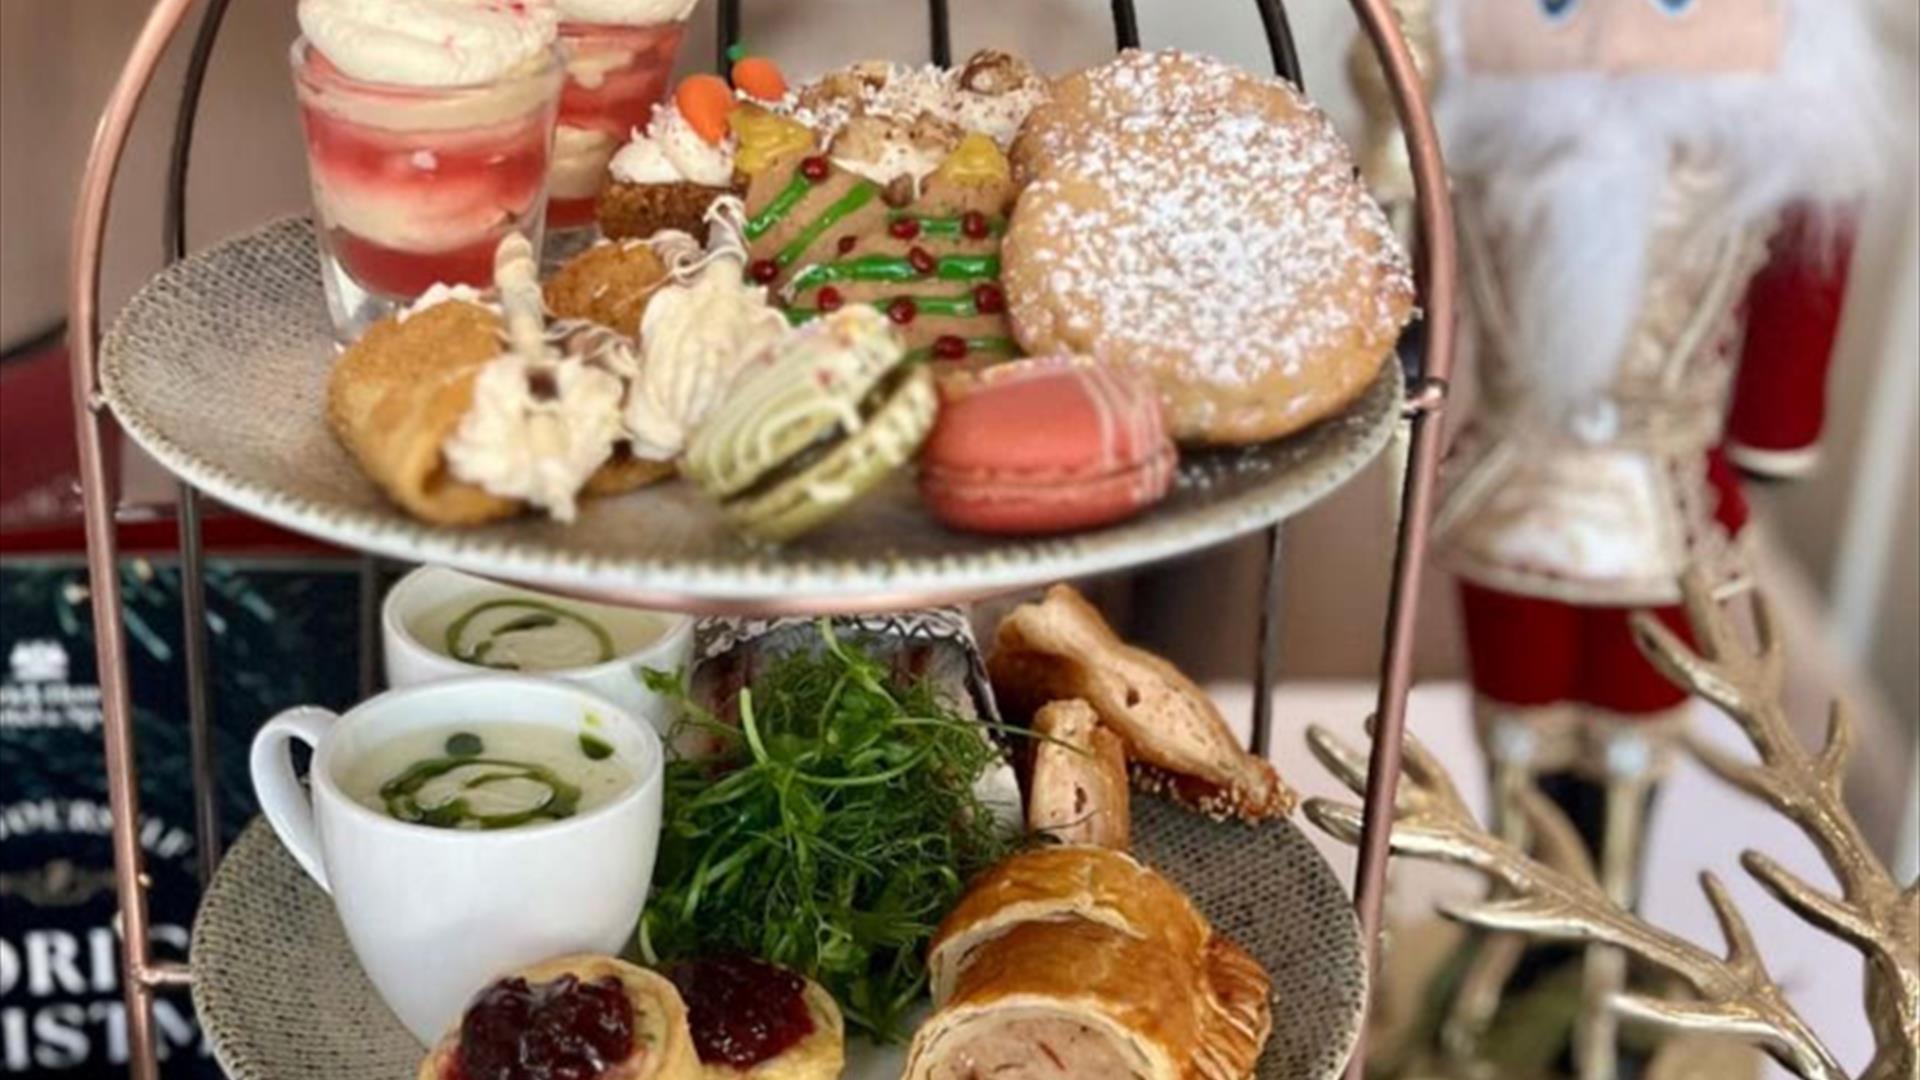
(1849,539)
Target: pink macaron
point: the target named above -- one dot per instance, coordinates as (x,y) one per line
(1046,446)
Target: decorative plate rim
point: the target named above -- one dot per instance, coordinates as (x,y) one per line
(807,580)
(229,1044)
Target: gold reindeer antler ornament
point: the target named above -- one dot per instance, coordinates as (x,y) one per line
(1872,912)
(1735,994)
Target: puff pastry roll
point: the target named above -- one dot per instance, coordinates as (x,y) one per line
(1079,963)
(1059,884)
(1070,1000)
(1078,790)
(1176,740)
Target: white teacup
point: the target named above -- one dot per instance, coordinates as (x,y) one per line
(435,914)
(428,591)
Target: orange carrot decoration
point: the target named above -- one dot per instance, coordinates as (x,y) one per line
(705,101)
(760,78)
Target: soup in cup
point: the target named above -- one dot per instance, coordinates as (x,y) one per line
(468,827)
(438,623)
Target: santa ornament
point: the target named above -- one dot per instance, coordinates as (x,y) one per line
(1655,200)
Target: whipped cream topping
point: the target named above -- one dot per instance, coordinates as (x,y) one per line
(537,430)
(670,151)
(442,293)
(627,12)
(430,42)
(696,337)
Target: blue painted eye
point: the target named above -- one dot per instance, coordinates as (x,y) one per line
(1557,9)
(1673,7)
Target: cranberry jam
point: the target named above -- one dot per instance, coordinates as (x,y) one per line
(559,1030)
(742,1010)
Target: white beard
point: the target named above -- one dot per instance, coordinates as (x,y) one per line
(1570,168)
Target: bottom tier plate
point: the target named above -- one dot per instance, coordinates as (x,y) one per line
(281,997)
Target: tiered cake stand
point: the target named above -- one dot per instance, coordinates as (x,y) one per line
(217,368)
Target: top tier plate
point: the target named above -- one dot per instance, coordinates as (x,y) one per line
(218,368)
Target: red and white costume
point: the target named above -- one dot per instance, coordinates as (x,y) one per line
(1652,196)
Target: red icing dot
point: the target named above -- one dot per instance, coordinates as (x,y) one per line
(814,168)
(989,299)
(829,298)
(846,244)
(905,228)
(949,347)
(763,270)
(921,261)
(903,310)
(974,224)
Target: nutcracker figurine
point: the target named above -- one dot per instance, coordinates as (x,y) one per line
(1654,199)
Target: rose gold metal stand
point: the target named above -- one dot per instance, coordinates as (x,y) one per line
(96,434)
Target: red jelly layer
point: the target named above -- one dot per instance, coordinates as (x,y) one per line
(559,1030)
(570,213)
(510,157)
(623,95)
(407,274)
(743,1011)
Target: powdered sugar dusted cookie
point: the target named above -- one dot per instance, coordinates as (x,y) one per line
(1204,226)
(1131,92)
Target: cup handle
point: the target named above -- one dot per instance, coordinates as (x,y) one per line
(288,806)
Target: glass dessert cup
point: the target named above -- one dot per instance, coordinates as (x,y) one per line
(414,185)
(615,75)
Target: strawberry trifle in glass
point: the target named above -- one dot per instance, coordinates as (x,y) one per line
(429,127)
(619,57)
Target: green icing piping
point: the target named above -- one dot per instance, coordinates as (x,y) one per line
(960,307)
(1001,345)
(856,197)
(947,225)
(782,204)
(897,268)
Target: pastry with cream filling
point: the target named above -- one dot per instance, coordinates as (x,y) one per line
(585,1017)
(465,412)
(700,331)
